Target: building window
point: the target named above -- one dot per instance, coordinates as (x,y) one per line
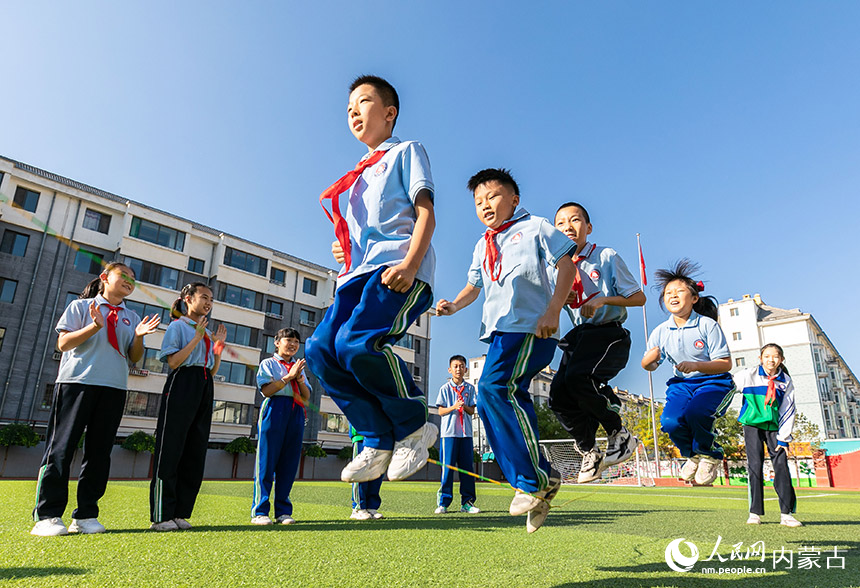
(97,221)
(72,296)
(307,318)
(2,336)
(407,341)
(156,233)
(416,344)
(142,404)
(88,262)
(240,297)
(269,344)
(195,265)
(241,335)
(151,363)
(740,362)
(736,336)
(26,199)
(235,413)
(236,373)
(143,310)
(7,290)
(47,397)
(14,243)
(152,273)
(275,308)
(733,312)
(245,261)
(418,321)
(416,371)
(309,286)
(334,423)
(278,276)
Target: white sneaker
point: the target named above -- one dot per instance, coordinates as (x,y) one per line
(49,528)
(470,508)
(523,502)
(592,466)
(440,510)
(375,514)
(86,526)
(410,453)
(285,520)
(537,516)
(261,520)
(688,471)
(707,471)
(789,521)
(620,448)
(359,514)
(164,526)
(367,465)
(182,524)
(754,519)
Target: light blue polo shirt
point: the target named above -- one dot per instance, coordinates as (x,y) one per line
(602,270)
(451,421)
(381,211)
(179,334)
(700,339)
(95,361)
(270,370)
(519,298)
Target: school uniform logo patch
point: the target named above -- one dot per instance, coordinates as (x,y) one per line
(126,322)
(699,344)
(517,238)
(380,169)
(595,275)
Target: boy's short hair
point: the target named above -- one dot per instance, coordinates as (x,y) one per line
(288,333)
(577,205)
(457,357)
(383,87)
(501,175)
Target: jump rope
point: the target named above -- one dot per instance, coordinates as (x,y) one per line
(232,354)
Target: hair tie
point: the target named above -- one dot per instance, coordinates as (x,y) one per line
(700,286)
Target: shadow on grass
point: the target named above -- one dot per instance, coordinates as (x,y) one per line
(481,522)
(19,573)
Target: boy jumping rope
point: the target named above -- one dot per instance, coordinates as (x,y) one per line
(596,349)
(383,242)
(520,317)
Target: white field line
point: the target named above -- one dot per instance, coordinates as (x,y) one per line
(709,496)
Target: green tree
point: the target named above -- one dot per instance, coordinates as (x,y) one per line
(639,423)
(730,434)
(807,431)
(548,425)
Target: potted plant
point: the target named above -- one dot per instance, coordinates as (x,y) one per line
(137,442)
(239,445)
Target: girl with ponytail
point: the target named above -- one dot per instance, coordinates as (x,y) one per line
(701,388)
(185,415)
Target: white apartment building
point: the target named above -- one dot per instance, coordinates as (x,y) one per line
(826,390)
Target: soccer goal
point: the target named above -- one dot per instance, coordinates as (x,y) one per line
(565,458)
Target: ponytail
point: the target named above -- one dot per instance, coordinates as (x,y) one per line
(707,306)
(179,307)
(96,286)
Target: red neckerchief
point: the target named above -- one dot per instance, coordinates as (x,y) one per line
(770,397)
(333,192)
(111,320)
(492,254)
(297,397)
(578,289)
(459,390)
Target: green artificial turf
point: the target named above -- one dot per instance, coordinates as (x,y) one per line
(608,536)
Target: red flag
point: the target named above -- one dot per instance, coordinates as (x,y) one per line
(642,273)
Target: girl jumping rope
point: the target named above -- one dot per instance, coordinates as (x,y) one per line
(98,336)
(767,415)
(185,415)
(702,388)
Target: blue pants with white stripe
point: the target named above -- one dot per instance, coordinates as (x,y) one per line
(505,406)
(365,495)
(692,404)
(281,428)
(351,353)
(457,452)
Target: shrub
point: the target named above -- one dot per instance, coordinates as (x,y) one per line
(434,453)
(139,441)
(18,434)
(345,453)
(240,445)
(315,451)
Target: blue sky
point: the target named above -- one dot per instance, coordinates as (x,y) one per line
(725,132)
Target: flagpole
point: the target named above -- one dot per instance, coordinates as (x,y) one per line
(643,281)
